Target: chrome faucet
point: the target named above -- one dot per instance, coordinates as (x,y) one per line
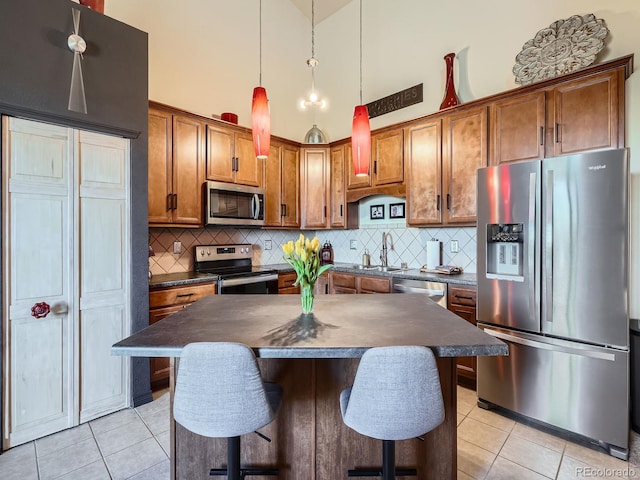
(383,252)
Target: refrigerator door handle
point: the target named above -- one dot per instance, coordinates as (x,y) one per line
(583,352)
(531,241)
(548,251)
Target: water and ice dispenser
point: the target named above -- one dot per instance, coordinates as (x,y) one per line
(505,250)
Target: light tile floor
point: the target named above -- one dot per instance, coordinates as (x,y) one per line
(133,444)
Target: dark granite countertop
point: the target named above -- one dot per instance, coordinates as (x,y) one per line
(343,326)
(166,280)
(188,278)
(412,273)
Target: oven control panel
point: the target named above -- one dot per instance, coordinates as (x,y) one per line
(207,253)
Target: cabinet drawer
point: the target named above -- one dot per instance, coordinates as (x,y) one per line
(180,295)
(374,285)
(286,280)
(343,280)
(462,296)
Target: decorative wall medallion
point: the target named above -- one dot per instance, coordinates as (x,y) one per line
(563,47)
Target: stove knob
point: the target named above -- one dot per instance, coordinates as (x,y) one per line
(208,252)
(202,253)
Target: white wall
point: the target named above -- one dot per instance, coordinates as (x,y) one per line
(204,58)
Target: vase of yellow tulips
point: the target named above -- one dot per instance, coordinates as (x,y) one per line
(303,255)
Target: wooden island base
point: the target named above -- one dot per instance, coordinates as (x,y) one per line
(309,439)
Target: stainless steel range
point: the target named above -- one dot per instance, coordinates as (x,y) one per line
(236,273)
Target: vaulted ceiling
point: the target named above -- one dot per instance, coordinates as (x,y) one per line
(323,8)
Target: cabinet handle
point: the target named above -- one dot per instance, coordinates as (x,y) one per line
(448,202)
(174,201)
(541,135)
(438,202)
(341,214)
(169,201)
(233,164)
(557,132)
(283,210)
(325,211)
(375,167)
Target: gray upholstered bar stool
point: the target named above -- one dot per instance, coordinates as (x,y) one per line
(396,395)
(220,393)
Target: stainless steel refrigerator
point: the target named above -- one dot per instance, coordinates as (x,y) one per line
(552,283)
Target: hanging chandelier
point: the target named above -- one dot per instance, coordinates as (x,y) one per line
(260,116)
(313,99)
(360,129)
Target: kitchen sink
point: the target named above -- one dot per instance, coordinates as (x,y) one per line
(378,268)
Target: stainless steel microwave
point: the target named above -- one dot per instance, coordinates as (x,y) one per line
(231,204)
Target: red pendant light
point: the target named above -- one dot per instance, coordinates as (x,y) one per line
(260,122)
(361,140)
(360,129)
(260,116)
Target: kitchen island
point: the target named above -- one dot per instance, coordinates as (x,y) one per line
(314,359)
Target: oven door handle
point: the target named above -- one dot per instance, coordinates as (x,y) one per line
(232,282)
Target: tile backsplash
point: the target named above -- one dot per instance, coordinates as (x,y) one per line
(408,245)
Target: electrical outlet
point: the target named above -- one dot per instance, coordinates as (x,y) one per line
(454,246)
(353,244)
(267,244)
(177,248)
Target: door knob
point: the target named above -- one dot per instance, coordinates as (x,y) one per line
(40,310)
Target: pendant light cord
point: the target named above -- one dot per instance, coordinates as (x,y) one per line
(260,78)
(313,23)
(360,52)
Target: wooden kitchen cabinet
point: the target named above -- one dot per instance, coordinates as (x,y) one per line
(586,114)
(342,214)
(387,161)
(162,303)
(314,190)
(561,119)
(231,157)
(424,173)
(443,155)
(282,186)
(286,281)
(176,169)
(340,282)
(462,301)
(518,128)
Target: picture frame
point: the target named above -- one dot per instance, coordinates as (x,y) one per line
(396,210)
(377,212)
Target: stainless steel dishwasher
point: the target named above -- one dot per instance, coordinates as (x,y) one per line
(437,291)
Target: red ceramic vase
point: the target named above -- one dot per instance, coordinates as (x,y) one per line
(97,5)
(450,96)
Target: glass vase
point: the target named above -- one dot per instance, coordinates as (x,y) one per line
(306,297)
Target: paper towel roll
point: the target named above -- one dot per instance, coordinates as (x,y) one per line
(433,254)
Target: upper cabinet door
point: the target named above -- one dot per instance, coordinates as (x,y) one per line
(160,166)
(424,173)
(220,153)
(290,186)
(388,155)
(464,151)
(517,128)
(355,181)
(188,170)
(248,167)
(587,114)
(337,186)
(272,187)
(314,191)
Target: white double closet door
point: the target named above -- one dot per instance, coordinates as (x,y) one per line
(65,243)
